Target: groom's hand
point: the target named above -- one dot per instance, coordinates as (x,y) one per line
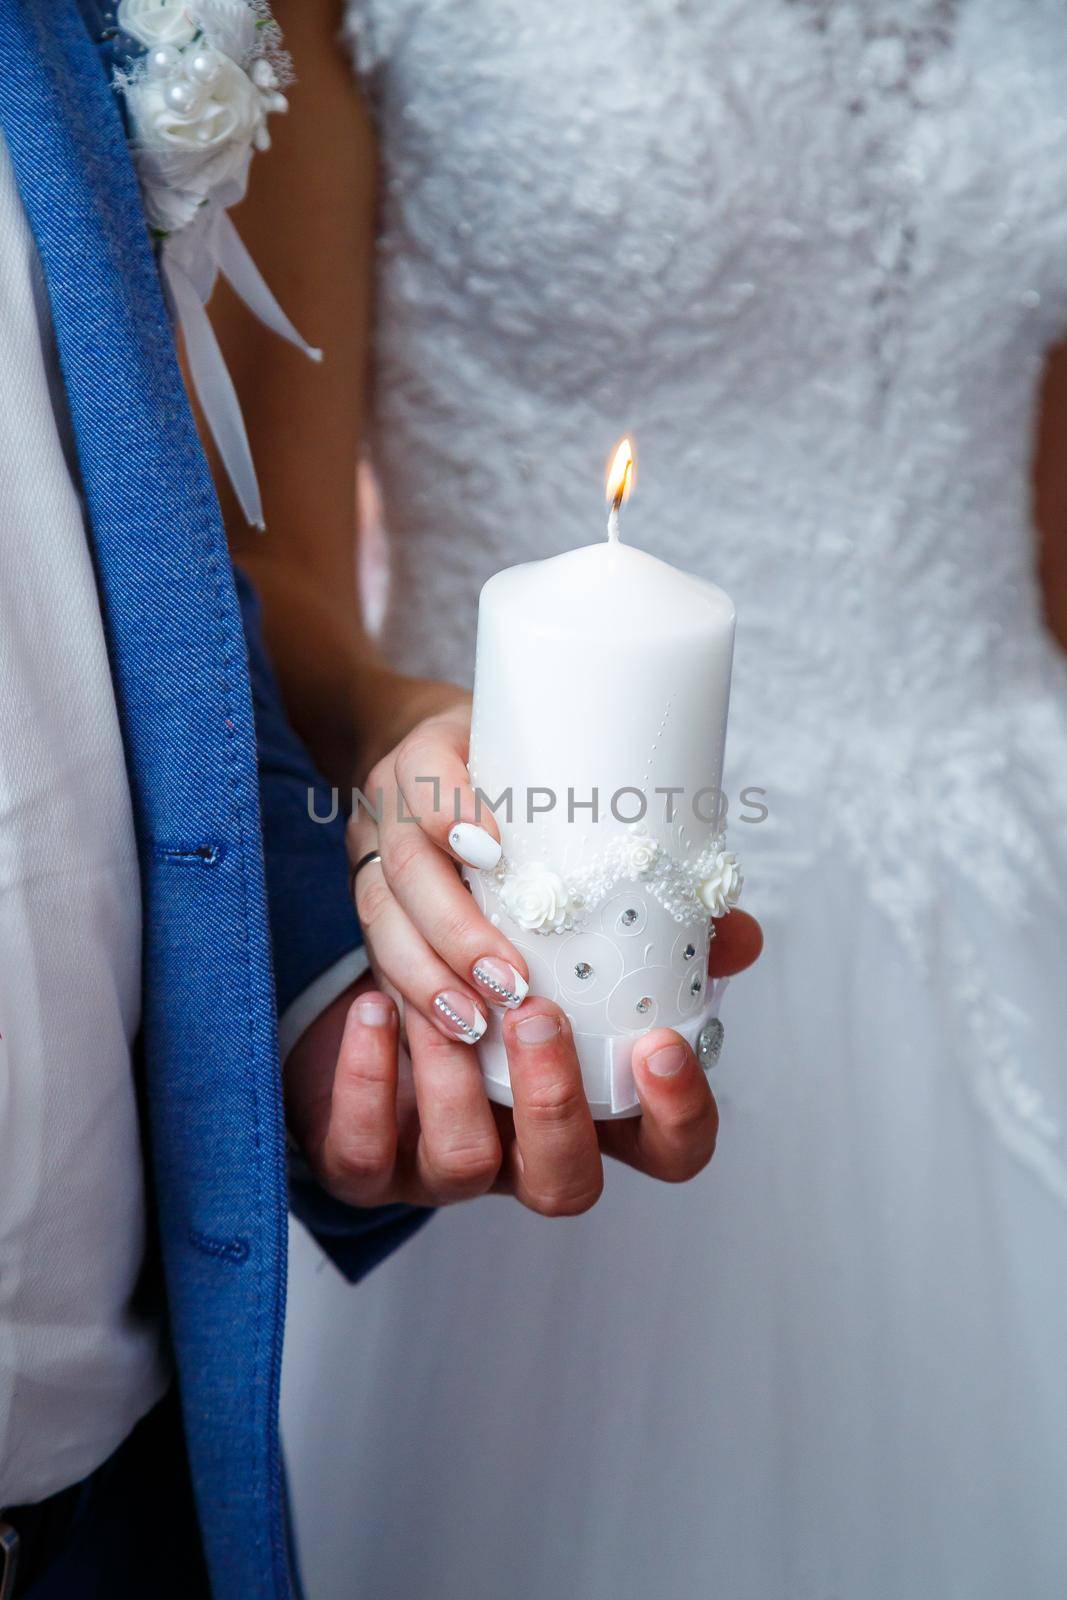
(379,1122)
(376,1126)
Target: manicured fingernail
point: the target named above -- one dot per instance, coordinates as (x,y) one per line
(374,1010)
(458,1017)
(474,846)
(503,985)
(666,1062)
(538,1029)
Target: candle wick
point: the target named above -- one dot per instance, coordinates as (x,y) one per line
(613,525)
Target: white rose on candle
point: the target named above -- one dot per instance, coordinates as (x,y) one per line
(721,889)
(537,899)
(156,22)
(640,852)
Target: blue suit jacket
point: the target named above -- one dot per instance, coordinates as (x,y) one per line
(229,858)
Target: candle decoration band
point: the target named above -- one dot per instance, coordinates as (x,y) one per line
(542,900)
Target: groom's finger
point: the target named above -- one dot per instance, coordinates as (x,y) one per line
(359,1153)
(674,1138)
(558,1168)
(458,1154)
(431,769)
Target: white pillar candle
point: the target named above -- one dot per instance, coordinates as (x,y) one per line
(603,676)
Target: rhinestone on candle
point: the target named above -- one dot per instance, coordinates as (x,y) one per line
(583,971)
(624,916)
(696,985)
(709,1042)
(644,1005)
(689,952)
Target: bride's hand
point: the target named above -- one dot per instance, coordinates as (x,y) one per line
(433,1136)
(426,937)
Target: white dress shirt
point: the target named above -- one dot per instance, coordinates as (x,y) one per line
(80,1361)
(78,1365)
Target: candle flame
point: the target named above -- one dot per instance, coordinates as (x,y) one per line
(620,475)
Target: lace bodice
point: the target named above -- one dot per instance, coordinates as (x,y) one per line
(811,255)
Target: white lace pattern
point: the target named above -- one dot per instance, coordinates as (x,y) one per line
(811,256)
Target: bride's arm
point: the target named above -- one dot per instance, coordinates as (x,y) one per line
(1050,492)
(309,222)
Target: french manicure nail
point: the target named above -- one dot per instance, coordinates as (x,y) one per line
(458,1017)
(538,1029)
(501,982)
(475,846)
(664,1063)
(374,1010)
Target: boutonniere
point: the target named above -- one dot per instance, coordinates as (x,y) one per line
(199,80)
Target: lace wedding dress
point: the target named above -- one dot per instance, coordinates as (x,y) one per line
(811,256)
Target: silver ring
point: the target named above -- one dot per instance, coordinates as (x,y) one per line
(364,861)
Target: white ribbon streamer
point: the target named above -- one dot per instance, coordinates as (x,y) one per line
(245,278)
(198,96)
(190,263)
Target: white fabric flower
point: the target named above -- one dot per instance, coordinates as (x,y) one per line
(537,898)
(184,156)
(640,852)
(197,101)
(721,889)
(229,25)
(157,22)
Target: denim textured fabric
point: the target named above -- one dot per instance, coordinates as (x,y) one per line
(312,926)
(313,923)
(182,683)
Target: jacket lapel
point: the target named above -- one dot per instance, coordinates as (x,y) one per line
(179,664)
